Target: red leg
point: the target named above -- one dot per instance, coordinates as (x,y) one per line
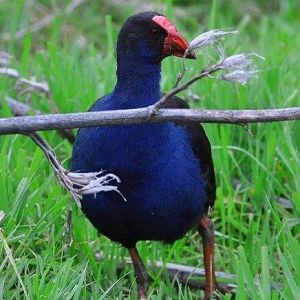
(140,273)
(207,232)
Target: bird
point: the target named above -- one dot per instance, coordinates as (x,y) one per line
(166,169)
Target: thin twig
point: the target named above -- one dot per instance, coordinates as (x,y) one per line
(20,109)
(43,22)
(205,73)
(246,127)
(35,85)
(181,74)
(238,68)
(143,115)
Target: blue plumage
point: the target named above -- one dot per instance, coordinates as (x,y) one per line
(161,177)
(166,168)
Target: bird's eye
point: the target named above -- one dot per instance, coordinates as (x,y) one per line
(154,30)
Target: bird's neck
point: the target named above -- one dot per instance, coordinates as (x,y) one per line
(138,83)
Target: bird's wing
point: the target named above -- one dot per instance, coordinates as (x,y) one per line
(201,147)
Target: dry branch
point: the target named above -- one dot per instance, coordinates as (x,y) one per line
(22,109)
(177,89)
(143,115)
(35,85)
(238,68)
(19,108)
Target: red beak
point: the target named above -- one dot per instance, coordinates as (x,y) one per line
(175,44)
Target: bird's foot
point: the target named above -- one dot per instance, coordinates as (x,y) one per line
(223,289)
(220,289)
(142,294)
(210,295)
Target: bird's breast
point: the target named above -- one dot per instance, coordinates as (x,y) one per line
(161,180)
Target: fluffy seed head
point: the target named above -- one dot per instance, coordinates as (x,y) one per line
(209,38)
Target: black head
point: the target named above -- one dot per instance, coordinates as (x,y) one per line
(150,36)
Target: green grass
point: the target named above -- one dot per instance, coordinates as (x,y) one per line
(255,237)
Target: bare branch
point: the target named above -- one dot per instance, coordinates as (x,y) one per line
(19,108)
(143,115)
(177,89)
(22,109)
(39,86)
(238,68)
(43,22)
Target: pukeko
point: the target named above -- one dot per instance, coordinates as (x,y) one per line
(166,168)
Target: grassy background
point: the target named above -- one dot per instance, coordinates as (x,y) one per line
(255,237)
